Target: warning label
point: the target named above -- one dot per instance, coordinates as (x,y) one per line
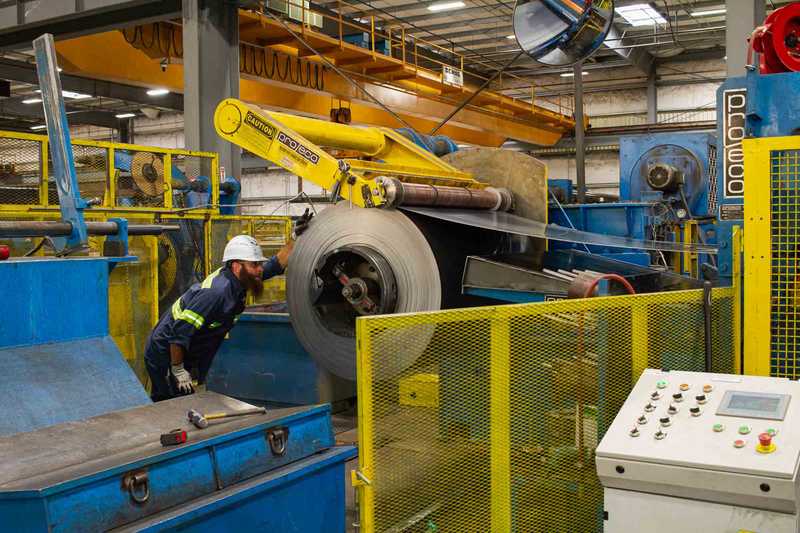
(266,129)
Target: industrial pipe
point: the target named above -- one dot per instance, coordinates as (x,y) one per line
(28,228)
(399,193)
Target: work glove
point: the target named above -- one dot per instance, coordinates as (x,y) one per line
(182,379)
(302,223)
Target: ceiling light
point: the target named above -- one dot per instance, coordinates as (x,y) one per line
(157,92)
(31,100)
(70,94)
(509,37)
(572,74)
(444,6)
(640,15)
(125,115)
(708,13)
(59,69)
(75,96)
(38,127)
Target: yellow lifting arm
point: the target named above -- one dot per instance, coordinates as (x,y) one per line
(398,173)
(268,138)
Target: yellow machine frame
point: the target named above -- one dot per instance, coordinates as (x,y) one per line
(759,291)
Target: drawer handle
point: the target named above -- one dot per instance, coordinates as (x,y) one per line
(138,486)
(278,438)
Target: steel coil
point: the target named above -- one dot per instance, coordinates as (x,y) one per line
(345,235)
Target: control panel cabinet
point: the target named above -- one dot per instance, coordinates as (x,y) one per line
(693,451)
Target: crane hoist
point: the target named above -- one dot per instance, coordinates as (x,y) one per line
(394,171)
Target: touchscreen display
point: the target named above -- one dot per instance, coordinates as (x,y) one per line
(749,402)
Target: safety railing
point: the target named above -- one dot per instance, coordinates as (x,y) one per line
(493,421)
(113,176)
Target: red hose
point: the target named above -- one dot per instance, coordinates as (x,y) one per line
(611,277)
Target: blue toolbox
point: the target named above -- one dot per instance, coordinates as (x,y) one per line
(277,471)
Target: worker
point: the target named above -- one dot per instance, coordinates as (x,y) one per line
(190,333)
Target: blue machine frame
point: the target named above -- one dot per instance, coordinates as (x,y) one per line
(754,105)
(288,375)
(641,208)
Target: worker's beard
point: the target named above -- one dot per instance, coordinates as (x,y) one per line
(253,284)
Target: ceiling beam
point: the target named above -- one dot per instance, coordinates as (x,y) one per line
(413,6)
(69,19)
(15,109)
(26,73)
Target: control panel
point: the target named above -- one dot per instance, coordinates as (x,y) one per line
(719,438)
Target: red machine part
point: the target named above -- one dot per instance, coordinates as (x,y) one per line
(778,41)
(4,252)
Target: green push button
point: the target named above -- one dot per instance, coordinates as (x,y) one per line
(718,427)
(771,432)
(661,384)
(744,430)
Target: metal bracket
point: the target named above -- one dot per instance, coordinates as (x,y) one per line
(278,439)
(358,479)
(117,245)
(138,486)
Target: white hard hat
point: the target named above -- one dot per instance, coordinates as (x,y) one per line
(243,248)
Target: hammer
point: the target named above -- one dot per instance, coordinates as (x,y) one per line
(201,421)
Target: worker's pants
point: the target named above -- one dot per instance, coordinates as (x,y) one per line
(161,387)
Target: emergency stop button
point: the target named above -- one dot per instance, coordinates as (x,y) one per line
(765,444)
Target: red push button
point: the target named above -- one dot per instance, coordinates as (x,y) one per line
(765,444)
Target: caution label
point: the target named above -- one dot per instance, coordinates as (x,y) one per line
(268,130)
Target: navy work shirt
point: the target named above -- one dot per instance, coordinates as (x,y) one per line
(201,318)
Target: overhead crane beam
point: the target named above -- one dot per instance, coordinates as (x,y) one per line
(88,56)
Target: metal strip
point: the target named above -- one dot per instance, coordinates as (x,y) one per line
(510,223)
(69,197)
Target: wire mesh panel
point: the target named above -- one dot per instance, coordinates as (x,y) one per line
(181,259)
(272,234)
(20,171)
(133,298)
(493,427)
(785,263)
(191,179)
(140,179)
(91,169)
(221,231)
